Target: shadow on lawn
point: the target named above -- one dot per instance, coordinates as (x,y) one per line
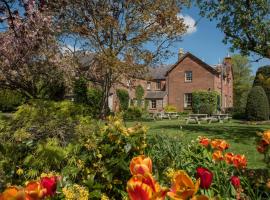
(237,133)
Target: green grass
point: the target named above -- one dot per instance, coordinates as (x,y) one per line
(242,137)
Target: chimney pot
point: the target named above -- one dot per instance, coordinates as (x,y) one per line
(180,53)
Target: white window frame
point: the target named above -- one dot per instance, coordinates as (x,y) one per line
(154,100)
(187,100)
(148,86)
(188,76)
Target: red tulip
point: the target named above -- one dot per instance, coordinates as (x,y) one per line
(205,176)
(50,184)
(235,180)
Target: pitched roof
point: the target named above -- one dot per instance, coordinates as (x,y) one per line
(155,95)
(202,63)
(158,72)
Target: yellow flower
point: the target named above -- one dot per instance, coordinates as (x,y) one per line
(104,197)
(75,192)
(19,172)
(170,173)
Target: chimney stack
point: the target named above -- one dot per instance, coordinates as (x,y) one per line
(228,60)
(180,53)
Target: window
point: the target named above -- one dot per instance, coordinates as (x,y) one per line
(187,100)
(128,83)
(153,104)
(188,76)
(158,85)
(148,86)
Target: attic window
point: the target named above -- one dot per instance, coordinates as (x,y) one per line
(158,85)
(188,76)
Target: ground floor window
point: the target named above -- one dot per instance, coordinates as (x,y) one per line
(153,103)
(187,100)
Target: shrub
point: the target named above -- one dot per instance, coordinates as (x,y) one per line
(262,79)
(170,108)
(257,104)
(94,98)
(58,137)
(133,113)
(80,91)
(204,102)
(139,93)
(123,97)
(10,100)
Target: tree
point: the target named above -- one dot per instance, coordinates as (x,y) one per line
(125,36)
(242,82)
(246,24)
(262,78)
(257,104)
(139,93)
(29,54)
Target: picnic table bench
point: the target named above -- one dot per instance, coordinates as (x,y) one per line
(197,118)
(204,117)
(221,117)
(164,115)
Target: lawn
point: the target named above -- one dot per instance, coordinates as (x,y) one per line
(242,137)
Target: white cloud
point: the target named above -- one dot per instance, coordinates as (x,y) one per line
(190,22)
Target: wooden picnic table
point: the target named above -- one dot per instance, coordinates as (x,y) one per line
(221,117)
(197,118)
(172,115)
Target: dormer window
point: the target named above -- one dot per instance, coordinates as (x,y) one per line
(148,87)
(188,76)
(158,85)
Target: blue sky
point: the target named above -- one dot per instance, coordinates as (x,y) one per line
(205,41)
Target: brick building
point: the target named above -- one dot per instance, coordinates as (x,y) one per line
(173,85)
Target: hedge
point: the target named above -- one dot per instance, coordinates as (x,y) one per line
(204,102)
(257,108)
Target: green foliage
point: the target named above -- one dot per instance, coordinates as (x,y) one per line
(245,24)
(262,78)
(242,82)
(204,102)
(44,137)
(47,119)
(257,104)
(170,108)
(51,89)
(80,90)
(94,98)
(139,93)
(123,97)
(10,100)
(133,112)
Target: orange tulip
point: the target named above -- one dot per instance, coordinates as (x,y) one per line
(266,136)
(145,188)
(140,165)
(217,156)
(183,186)
(13,193)
(229,158)
(34,190)
(204,141)
(240,161)
(219,144)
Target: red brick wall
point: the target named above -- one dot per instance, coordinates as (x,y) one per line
(202,79)
(227,85)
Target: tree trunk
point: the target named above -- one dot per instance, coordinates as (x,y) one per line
(105,97)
